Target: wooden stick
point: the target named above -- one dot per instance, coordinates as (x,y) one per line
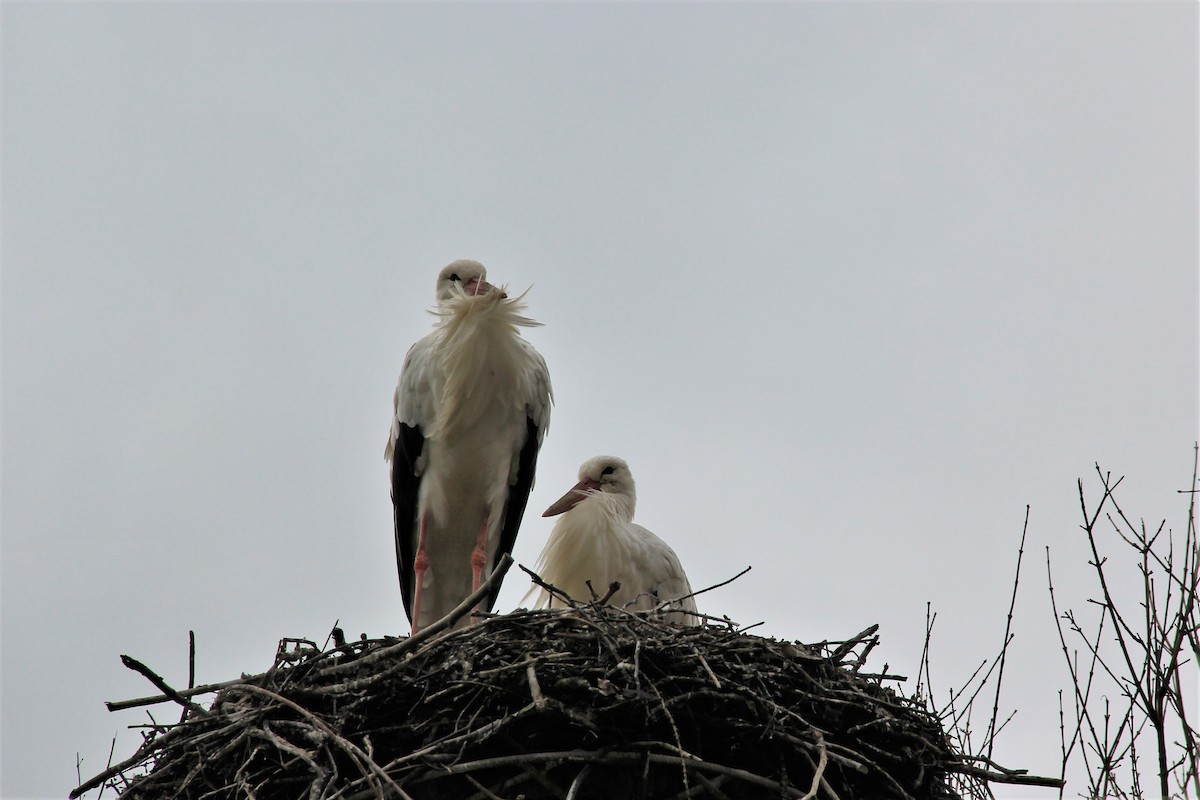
(162,686)
(1006,777)
(121,705)
(822,760)
(853,642)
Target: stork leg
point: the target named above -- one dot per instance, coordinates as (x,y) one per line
(420,564)
(479,556)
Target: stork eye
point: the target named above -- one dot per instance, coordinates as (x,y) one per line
(607,471)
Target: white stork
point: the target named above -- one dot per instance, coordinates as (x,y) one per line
(597,540)
(471,409)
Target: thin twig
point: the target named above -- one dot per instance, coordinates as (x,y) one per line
(161,685)
(990,738)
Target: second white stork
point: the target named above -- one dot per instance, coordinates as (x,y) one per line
(597,540)
(471,408)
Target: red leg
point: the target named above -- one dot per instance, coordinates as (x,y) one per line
(420,564)
(479,556)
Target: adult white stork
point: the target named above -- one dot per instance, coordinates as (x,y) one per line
(597,540)
(471,409)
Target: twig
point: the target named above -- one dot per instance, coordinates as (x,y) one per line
(550,588)
(1012,778)
(121,705)
(710,588)
(853,642)
(822,760)
(161,685)
(990,738)
(535,690)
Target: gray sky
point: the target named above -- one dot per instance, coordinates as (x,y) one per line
(847,285)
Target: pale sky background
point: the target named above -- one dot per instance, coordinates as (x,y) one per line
(847,285)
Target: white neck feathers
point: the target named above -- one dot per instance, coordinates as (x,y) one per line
(487,366)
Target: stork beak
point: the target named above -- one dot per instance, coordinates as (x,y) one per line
(478,286)
(572,498)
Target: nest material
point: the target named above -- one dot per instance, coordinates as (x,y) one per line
(589,702)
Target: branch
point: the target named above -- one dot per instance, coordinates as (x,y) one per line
(1012,603)
(162,686)
(1011,777)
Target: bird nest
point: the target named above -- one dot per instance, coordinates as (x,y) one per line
(589,701)
(584,702)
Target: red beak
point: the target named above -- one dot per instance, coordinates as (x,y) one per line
(572,498)
(477,286)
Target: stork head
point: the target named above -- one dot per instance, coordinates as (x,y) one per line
(605,478)
(466,275)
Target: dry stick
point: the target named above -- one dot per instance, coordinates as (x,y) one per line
(861,660)
(549,587)
(829,792)
(853,642)
(613,588)
(990,739)
(161,685)
(704,663)
(1002,777)
(1062,741)
(702,591)
(949,710)
(535,689)
(121,705)
(923,676)
(822,760)
(191,669)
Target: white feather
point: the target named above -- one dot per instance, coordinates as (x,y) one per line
(598,541)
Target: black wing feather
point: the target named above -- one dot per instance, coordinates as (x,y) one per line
(518,496)
(405,488)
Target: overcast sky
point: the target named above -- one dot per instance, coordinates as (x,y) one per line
(847,285)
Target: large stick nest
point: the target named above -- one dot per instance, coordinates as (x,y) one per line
(588,702)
